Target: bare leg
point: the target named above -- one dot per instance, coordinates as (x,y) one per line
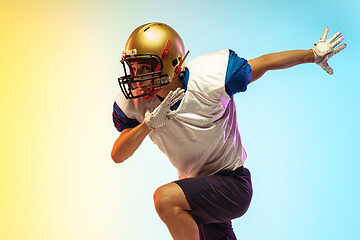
(171,205)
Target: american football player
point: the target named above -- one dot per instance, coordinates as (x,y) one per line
(188,111)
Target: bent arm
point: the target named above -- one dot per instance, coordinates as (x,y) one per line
(131,138)
(280,60)
(128,141)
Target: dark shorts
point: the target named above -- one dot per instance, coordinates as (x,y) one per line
(217,199)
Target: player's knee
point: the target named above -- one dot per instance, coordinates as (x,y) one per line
(163,200)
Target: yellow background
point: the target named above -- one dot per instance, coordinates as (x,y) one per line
(53,111)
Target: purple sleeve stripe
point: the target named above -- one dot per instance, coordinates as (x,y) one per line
(121,121)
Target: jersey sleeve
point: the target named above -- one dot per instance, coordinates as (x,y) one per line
(238,74)
(121,121)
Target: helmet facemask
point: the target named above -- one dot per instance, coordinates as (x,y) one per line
(144,82)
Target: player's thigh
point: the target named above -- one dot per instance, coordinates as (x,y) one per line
(220,197)
(170,195)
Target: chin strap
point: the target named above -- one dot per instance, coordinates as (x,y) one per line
(178,68)
(151,94)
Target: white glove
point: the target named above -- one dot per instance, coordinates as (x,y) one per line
(162,114)
(324,50)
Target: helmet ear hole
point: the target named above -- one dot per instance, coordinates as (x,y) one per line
(174,62)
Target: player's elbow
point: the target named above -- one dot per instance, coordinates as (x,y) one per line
(117,158)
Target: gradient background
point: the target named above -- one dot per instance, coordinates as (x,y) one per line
(59,69)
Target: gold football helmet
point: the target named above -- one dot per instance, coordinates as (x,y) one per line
(162,48)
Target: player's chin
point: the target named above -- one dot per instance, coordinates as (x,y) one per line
(144,90)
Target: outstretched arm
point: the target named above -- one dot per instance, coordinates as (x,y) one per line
(280,60)
(320,53)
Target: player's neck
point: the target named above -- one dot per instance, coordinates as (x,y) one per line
(176,83)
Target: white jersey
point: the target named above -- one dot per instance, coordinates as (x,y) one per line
(203,138)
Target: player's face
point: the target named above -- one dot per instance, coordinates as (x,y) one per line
(140,67)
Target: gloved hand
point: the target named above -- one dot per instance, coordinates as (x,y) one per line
(324,50)
(162,114)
